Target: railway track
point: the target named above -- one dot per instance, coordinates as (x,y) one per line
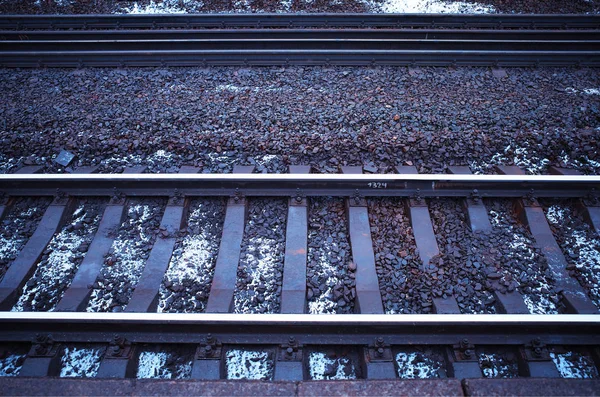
(190,40)
(217,339)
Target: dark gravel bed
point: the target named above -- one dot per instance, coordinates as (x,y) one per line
(579,243)
(326,117)
(12,357)
(18,225)
(111,6)
(260,271)
(188,279)
(458,269)
(61,258)
(518,263)
(403,284)
(498,362)
(126,259)
(330,284)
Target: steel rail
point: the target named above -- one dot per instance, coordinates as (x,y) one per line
(141,58)
(291,185)
(350,329)
(254,34)
(187,21)
(284,44)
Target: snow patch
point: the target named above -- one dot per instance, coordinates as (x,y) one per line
(587,91)
(516,155)
(324,302)
(430,7)
(128,265)
(163,7)
(496,366)
(539,301)
(416,366)
(193,260)
(81,363)
(11,245)
(322,367)
(59,266)
(574,365)
(246,364)
(11,364)
(155,365)
(583,249)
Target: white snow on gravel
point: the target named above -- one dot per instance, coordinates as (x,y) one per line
(587,91)
(81,363)
(318,364)
(260,252)
(538,302)
(495,366)
(246,364)
(157,159)
(572,365)
(586,250)
(430,7)
(59,265)
(236,88)
(153,365)
(324,302)
(416,366)
(162,7)
(61,3)
(128,262)
(581,163)
(193,259)
(12,244)
(516,155)
(9,365)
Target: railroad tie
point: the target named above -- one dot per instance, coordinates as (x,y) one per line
(293,292)
(145,294)
(368,295)
(24,265)
(510,302)
(591,212)
(531,214)
(77,295)
(220,299)
(426,242)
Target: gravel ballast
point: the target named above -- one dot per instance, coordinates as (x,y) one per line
(260,271)
(330,272)
(61,259)
(18,226)
(579,243)
(459,269)
(126,259)
(402,282)
(324,117)
(522,265)
(187,281)
(377,6)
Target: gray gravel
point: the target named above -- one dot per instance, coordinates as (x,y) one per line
(331,286)
(260,271)
(127,257)
(402,282)
(18,225)
(459,269)
(61,258)
(109,6)
(320,116)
